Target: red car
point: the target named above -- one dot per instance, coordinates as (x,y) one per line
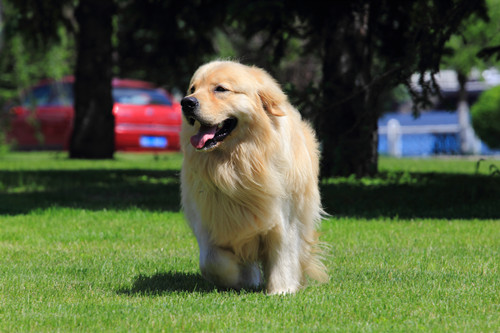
(146,118)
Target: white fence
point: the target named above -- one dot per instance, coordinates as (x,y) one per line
(395,131)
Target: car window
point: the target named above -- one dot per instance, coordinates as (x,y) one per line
(140,96)
(36,97)
(54,94)
(61,94)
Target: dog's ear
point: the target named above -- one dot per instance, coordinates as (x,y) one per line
(271,103)
(270,93)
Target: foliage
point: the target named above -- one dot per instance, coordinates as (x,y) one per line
(102,246)
(23,61)
(28,56)
(475,34)
(485,115)
(165,41)
(26,60)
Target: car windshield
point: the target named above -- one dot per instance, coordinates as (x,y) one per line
(140,96)
(61,94)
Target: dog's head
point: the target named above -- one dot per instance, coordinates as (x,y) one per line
(225,100)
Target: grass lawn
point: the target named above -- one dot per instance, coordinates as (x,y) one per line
(102,246)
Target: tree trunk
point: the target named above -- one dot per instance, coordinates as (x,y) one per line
(347,123)
(93,127)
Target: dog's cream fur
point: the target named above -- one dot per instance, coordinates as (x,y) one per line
(253,199)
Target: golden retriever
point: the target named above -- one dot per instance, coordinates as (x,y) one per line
(249,180)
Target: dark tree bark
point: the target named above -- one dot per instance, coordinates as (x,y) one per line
(93,128)
(347,123)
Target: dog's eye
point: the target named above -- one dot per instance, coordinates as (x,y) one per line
(192,89)
(220,89)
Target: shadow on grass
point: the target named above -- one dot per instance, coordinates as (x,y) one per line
(24,191)
(414,195)
(161,283)
(394,194)
(164,283)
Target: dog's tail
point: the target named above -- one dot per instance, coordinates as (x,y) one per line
(313,263)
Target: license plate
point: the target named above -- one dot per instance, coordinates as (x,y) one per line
(153,142)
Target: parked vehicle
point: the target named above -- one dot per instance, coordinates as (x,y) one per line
(146,118)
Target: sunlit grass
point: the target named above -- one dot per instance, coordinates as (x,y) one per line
(103,246)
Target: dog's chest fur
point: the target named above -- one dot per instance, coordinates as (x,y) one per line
(236,198)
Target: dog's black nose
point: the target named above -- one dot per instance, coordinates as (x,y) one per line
(189,105)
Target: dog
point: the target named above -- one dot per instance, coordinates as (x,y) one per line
(249,181)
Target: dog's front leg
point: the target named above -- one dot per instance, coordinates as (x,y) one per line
(217,265)
(281,262)
(224,268)
(220,267)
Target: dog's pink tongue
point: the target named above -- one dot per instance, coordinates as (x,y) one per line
(206,133)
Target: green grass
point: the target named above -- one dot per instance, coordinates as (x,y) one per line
(102,246)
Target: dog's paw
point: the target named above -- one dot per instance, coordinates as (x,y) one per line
(280,284)
(281,290)
(222,268)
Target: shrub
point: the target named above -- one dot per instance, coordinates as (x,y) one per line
(485,115)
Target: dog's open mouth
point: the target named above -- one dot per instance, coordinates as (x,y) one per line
(210,136)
